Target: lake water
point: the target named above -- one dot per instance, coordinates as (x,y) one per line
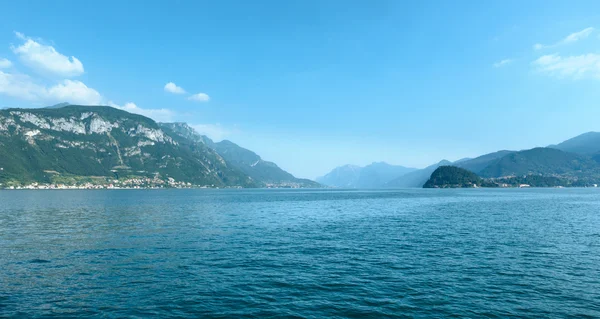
(529,253)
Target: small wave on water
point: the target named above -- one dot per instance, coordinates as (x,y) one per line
(258,254)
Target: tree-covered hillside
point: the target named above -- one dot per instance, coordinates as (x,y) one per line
(42,145)
(455,177)
(251,164)
(542,161)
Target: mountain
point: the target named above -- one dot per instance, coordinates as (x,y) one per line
(63,144)
(587,143)
(248,162)
(371,176)
(183,130)
(377,174)
(416,178)
(542,161)
(479,163)
(73,143)
(342,177)
(454,177)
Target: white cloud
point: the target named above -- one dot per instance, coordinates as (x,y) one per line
(20,86)
(24,87)
(45,59)
(215,131)
(159,115)
(173,88)
(5,63)
(575,67)
(75,92)
(571,38)
(200,97)
(502,63)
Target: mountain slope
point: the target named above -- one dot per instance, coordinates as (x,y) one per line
(416,178)
(257,168)
(587,143)
(371,176)
(248,162)
(44,144)
(479,163)
(542,161)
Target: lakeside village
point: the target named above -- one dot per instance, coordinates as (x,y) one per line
(128,183)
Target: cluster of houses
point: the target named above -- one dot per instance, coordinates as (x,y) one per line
(131,183)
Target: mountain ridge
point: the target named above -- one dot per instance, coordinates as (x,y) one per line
(247,161)
(102,144)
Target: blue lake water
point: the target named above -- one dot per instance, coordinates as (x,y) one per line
(528,253)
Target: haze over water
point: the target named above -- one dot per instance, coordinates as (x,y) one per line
(529,253)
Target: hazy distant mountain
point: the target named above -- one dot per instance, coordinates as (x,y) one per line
(343,177)
(371,176)
(481,162)
(462,160)
(416,178)
(576,160)
(588,143)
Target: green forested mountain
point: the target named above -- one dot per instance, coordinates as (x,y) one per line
(542,161)
(479,163)
(64,143)
(454,177)
(43,145)
(244,160)
(587,143)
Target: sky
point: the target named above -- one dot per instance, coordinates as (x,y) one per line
(312,85)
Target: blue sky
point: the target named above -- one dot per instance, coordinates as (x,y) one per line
(312,85)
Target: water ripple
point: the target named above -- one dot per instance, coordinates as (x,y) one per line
(300,254)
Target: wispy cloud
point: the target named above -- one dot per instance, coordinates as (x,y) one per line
(173,88)
(574,67)
(5,63)
(45,59)
(571,38)
(502,63)
(199,97)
